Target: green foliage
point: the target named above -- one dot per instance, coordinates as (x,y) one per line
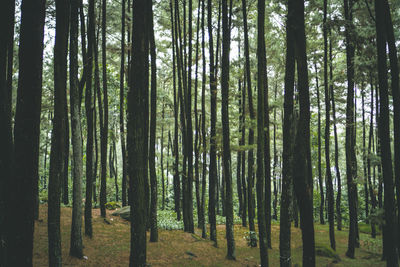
(112,205)
(166,219)
(43,196)
(373,245)
(251,238)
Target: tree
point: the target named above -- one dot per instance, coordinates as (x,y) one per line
(6,138)
(20,195)
(329,185)
(302,172)
(288,148)
(250,180)
(225,130)
(350,137)
(137,133)
(58,135)
(104,129)
(89,116)
(152,143)
(121,107)
(389,238)
(261,78)
(76,227)
(213,158)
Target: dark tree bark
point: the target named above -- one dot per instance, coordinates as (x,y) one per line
(137,133)
(6,138)
(274,173)
(189,131)
(261,79)
(250,179)
(337,170)
(302,172)
(370,141)
(176,179)
(287,151)
(76,246)
(213,160)
(197,123)
(364,156)
(58,134)
(394,69)
(90,125)
(267,152)
(243,142)
(162,158)
(390,233)
(329,184)
(152,140)
(203,126)
(320,183)
(20,219)
(122,106)
(239,153)
(104,129)
(225,131)
(350,140)
(65,189)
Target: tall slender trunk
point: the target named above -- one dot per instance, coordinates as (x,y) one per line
(197,124)
(122,106)
(6,136)
(225,131)
(213,160)
(320,183)
(175,149)
(302,172)
(337,170)
(370,148)
(104,129)
(274,172)
(90,125)
(76,227)
(350,142)
(152,140)
(250,179)
(203,126)
(329,184)
(261,135)
(394,69)
(137,133)
(390,235)
(58,134)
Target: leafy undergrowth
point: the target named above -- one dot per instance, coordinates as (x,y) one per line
(111,244)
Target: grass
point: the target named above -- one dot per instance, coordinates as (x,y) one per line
(110,246)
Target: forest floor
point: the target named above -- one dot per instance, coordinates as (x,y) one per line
(110,246)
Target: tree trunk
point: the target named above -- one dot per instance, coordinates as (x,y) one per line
(225,132)
(250,179)
(390,237)
(58,134)
(302,172)
(329,184)
(261,135)
(122,106)
(104,129)
(137,134)
(350,141)
(321,186)
(76,228)
(176,149)
(6,138)
(203,126)
(213,160)
(337,170)
(152,140)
